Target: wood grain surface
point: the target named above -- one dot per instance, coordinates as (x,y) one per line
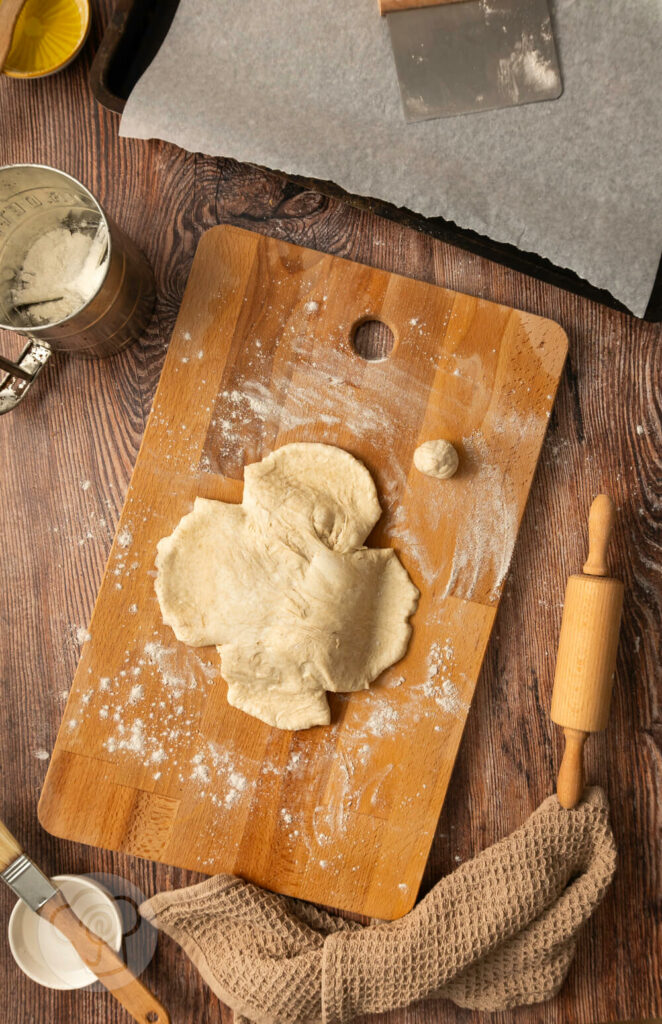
(85,422)
(263,354)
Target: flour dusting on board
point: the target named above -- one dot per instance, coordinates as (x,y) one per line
(164,738)
(439,683)
(333,403)
(485,529)
(255,400)
(162,657)
(80,635)
(486,534)
(383,720)
(125,537)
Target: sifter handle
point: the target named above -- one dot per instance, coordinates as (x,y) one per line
(600,524)
(21,375)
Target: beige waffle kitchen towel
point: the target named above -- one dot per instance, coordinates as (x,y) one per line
(498,932)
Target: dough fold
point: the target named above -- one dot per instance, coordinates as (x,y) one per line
(284,588)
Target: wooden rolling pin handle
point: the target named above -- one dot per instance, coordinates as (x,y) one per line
(388,6)
(570,783)
(103,961)
(586,657)
(600,524)
(9,12)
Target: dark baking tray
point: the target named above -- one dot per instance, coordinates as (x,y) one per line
(131,40)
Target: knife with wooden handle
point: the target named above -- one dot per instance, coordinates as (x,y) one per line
(31,885)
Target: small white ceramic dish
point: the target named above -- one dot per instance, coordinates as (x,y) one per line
(44,954)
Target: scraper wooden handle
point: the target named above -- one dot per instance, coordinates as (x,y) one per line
(587,652)
(388,6)
(103,961)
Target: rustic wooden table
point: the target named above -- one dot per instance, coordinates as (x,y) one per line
(84,422)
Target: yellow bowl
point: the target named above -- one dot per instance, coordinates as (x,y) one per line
(47,37)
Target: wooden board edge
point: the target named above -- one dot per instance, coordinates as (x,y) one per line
(47,812)
(231,229)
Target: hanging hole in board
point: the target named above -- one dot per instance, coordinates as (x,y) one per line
(152,1016)
(373,340)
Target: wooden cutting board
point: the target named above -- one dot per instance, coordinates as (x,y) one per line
(150,759)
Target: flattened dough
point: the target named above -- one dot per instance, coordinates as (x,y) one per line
(284,588)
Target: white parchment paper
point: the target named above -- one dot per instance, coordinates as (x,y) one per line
(309,87)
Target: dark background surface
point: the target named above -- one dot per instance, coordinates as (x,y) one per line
(84,422)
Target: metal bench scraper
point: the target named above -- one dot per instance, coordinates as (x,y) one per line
(462,57)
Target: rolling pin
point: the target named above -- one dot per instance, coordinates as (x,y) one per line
(586,656)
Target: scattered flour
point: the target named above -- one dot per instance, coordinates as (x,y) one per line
(383,721)
(329,400)
(439,683)
(42,755)
(487,530)
(200,770)
(363,754)
(237,785)
(125,538)
(135,740)
(162,657)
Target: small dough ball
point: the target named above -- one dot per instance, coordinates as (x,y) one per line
(436,458)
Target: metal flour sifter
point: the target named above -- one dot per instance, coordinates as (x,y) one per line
(105,308)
